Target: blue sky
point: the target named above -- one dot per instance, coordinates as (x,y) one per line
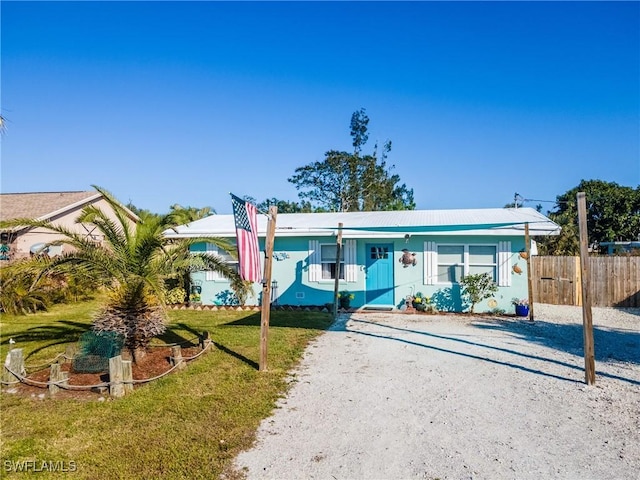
(177,102)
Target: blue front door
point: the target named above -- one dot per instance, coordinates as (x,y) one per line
(379,273)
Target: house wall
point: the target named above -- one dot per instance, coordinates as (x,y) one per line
(291,272)
(21,246)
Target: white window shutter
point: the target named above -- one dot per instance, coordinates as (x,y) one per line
(210,275)
(430,263)
(350,265)
(504,264)
(315,269)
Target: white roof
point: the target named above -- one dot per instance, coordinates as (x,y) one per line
(396,224)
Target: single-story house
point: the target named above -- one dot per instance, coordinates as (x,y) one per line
(386,256)
(61,208)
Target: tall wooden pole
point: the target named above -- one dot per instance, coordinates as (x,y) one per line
(336,285)
(527,246)
(587,321)
(266,287)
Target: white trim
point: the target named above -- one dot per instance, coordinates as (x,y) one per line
(504,264)
(430,263)
(350,265)
(315,269)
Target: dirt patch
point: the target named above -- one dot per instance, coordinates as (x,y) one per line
(156,362)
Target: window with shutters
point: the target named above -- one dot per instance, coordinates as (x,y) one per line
(322,261)
(328,261)
(447,263)
(212,249)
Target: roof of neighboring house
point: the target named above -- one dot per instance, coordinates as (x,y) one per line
(487,221)
(44,205)
(41,205)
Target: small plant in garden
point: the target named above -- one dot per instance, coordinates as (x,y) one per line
(420,302)
(524,302)
(477,287)
(175,296)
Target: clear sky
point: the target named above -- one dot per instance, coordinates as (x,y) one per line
(177,102)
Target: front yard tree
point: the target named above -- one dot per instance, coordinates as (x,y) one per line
(350,182)
(133,264)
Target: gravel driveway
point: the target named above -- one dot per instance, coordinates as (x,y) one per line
(396,396)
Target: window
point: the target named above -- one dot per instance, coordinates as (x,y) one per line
(328,262)
(450,263)
(322,261)
(212,249)
(377,253)
(455,261)
(482,259)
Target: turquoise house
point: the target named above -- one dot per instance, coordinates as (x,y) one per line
(386,256)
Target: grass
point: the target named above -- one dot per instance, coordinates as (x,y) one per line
(187,425)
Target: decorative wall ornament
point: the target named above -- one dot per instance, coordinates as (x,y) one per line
(408,258)
(279,256)
(516,269)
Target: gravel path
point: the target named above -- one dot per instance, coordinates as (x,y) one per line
(394,396)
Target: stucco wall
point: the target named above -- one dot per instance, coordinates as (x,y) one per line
(21,246)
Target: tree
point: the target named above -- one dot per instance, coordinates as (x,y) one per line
(613,214)
(179,215)
(133,264)
(349,182)
(285,207)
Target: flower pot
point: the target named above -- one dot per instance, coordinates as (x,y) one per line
(522,310)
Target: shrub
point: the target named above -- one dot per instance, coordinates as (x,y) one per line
(477,287)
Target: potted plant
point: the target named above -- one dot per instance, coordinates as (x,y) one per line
(522,306)
(344,299)
(419,302)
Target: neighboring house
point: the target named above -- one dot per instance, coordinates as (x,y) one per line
(438,247)
(61,208)
(614,248)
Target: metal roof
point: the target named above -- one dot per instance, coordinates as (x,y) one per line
(395,224)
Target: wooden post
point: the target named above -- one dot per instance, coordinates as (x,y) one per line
(70,352)
(115,377)
(57,375)
(16,365)
(176,357)
(336,285)
(578,283)
(266,287)
(127,376)
(204,340)
(587,320)
(527,246)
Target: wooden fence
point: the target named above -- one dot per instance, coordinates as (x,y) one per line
(615,280)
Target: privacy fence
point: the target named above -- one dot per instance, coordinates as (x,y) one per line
(614,282)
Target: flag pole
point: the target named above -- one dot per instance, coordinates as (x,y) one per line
(266,287)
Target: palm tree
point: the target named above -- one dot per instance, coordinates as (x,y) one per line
(133,264)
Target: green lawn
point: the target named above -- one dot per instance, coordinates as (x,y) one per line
(186,425)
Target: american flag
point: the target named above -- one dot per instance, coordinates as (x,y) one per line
(246,217)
